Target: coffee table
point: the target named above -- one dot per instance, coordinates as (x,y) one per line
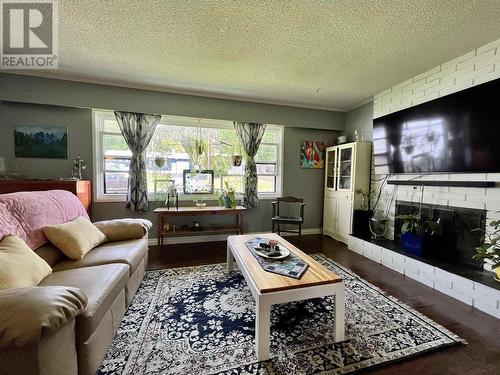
(269,288)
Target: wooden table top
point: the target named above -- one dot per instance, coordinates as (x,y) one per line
(266,282)
(207,210)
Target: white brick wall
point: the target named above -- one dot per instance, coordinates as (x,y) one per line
(467,291)
(473,68)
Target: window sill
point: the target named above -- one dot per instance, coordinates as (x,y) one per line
(110,198)
(182,198)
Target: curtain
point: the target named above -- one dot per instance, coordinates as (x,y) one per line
(250,135)
(137,129)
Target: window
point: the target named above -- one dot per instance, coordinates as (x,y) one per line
(173,149)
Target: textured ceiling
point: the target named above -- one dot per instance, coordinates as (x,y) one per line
(324,54)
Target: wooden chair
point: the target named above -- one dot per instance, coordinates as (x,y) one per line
(278,219)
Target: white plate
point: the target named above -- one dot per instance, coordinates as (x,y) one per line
(284,253)
(496,278)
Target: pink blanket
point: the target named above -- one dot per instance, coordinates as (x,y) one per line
(24,214)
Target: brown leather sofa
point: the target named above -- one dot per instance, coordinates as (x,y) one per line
(65,324)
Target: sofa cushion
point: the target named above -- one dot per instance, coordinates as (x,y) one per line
(36,209)
(9,224)
(19,266)
(101,285)
(29,314)
(124,229)
(49,253)
(130,252)
(75,238)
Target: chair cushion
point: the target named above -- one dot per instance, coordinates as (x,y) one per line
(130,252)
(292,219)
(20,267)
(75,238)
(101,285)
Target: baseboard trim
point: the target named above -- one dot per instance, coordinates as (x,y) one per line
(220,237)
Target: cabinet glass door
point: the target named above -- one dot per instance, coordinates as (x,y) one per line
(345,168)
(331,169)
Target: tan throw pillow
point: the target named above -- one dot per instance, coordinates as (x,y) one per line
(124,229)
(20,267)
(75,238)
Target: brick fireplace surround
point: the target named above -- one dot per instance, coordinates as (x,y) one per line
(475,67)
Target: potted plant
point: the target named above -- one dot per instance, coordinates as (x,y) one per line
(489,251)
(197,151)
(227,196)
(414,229)
(237,155)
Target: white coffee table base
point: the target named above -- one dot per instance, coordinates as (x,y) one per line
(265,300)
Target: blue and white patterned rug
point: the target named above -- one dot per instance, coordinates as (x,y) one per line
(199,320)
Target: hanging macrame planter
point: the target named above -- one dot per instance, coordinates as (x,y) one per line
(236,160)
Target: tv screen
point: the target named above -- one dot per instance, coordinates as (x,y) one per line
(456,133)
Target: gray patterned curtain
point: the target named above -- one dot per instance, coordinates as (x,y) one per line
(137,129)
(250,135)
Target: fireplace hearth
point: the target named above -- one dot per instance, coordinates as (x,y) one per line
(459,235)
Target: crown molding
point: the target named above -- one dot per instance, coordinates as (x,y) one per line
(359,104)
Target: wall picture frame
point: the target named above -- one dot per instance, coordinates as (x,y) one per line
(43,142)
(312,155)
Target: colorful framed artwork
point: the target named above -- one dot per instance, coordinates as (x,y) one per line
(48,142)
(312,154)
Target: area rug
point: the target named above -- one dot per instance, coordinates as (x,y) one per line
(199,320)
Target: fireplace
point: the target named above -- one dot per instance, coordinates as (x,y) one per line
(456,244)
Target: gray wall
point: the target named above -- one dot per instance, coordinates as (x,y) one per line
(79,124)
(360,118)
(18,88)
(306,183)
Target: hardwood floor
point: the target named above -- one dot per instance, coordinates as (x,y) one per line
(480,357)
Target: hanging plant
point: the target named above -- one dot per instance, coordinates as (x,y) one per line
(200,147)
(236,153)
(236,160)
(160,161)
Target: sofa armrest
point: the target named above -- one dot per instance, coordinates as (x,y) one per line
(28,314)
(124,229)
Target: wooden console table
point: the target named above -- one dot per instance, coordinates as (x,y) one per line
(164,212)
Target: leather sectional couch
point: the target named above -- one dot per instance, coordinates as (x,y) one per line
(66,323)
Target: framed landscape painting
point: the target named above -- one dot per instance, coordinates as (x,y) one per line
(48,142)
(312,154)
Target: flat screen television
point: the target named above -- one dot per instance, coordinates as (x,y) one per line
(459,132)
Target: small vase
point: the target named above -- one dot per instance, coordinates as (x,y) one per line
(227,202)
(364,203)
(412,243)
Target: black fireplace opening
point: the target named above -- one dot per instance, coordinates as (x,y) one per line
(459,235)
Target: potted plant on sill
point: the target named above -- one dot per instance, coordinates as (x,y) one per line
(489,251)
(227,197)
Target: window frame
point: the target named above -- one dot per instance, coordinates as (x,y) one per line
(98,118)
